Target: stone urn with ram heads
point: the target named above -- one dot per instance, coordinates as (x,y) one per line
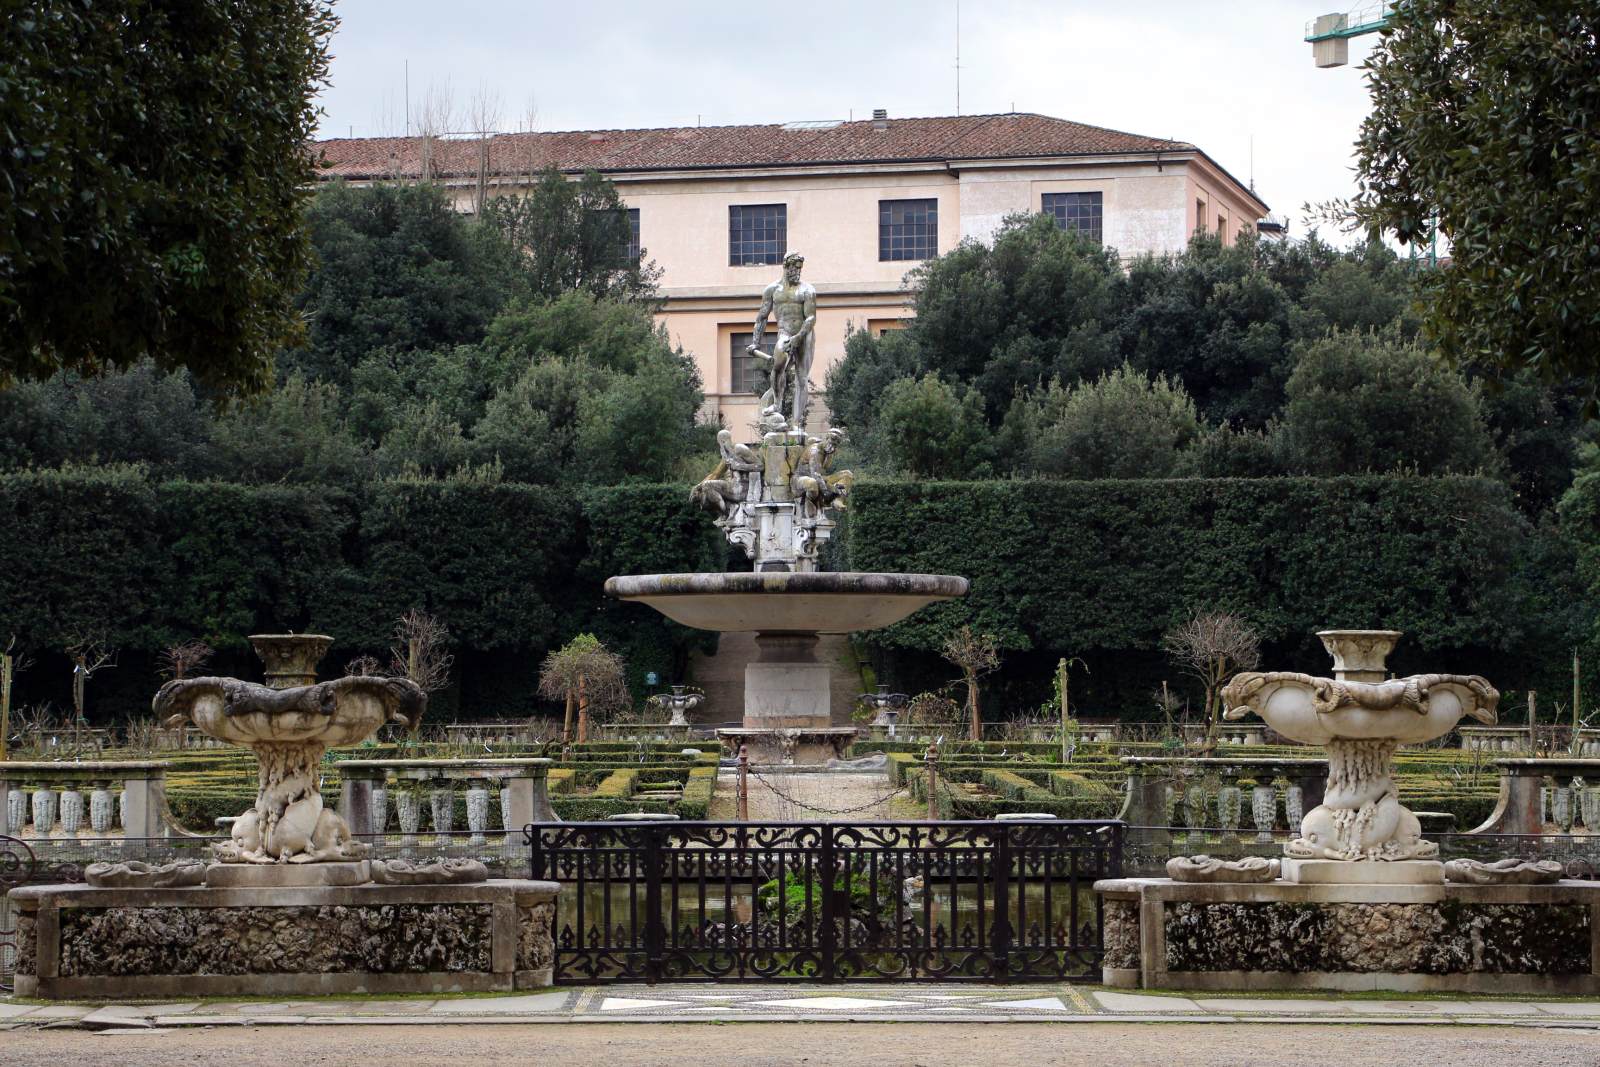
(289,723)
(1360,716)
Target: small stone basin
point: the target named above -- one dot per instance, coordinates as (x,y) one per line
(828,602)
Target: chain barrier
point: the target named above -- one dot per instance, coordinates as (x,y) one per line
(808,806)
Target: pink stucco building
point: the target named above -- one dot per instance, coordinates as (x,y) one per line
(717,207)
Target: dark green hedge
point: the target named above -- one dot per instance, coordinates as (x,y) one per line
(511,569)
(1111,565)
(1101,570)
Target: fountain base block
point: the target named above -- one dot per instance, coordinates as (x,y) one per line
(81,942)
(1536,939)
(288,875)
(1362,872)
(806,746)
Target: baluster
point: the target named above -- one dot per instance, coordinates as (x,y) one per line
(101,807)
(1229,799)
(408,810)
(1589,799)
(1263,810)
(1194,813)
(380,806)
(44,811)
(1561,805)
(1294,807)
(441,805)
(477,812)
(16,810)
(71,811)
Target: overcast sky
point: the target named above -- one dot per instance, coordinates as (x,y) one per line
(1222,76)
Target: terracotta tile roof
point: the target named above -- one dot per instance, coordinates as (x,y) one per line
(909,139)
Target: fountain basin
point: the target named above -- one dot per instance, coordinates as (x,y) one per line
(827,602)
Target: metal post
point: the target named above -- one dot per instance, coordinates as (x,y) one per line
(535,843)
(1533,717)
(654,930)
(1000,941)
(744,784)
(931,762)
(828,940)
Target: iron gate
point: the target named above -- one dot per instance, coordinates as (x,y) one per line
(989,901)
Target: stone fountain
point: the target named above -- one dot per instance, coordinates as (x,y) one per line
(1363,901)
(776,499)
(288,837)
(1361,832)
(290,905)
(678,703)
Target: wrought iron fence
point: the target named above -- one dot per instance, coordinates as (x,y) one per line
(990,901)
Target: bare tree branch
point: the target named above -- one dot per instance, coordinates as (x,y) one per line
(1212,648)
(178,660)
(976,654)
(420,651)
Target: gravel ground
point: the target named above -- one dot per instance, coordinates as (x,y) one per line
(815,1045)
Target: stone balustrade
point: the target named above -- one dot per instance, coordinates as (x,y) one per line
(1227,734)
(520,785)
(516,732)
(1518,739)
(90,800)
(1210,792)
(1535,793)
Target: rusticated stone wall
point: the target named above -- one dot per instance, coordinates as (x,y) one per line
(1449,937)
(1122,933)
(26,961)
(536,945)
(381,939)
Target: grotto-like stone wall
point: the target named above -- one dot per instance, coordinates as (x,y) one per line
(1449,937)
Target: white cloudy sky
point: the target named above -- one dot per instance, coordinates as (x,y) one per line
(1223,76)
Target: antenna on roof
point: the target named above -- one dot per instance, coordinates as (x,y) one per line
(408,98)
(958,57)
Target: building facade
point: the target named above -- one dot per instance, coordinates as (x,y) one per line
(865,202)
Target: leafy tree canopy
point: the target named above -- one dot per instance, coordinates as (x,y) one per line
(573,236)
(1359,403)
(136,224)
(1484,118)
(399,269)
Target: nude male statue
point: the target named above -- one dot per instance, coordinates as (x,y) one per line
(794,303)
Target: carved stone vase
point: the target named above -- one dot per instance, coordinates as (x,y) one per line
(1360,718)
(289,723)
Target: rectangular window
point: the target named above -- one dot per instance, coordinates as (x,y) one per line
(633,235)
(757,233)
(749,373)
(908,229)
(1199,216)
(1077,211)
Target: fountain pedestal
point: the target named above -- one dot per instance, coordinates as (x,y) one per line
(787,708)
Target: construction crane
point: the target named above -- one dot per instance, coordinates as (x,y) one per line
(1330,34)
(1330,47)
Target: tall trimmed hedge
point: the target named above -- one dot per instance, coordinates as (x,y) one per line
(1102,569)
(1092,569)
(511,569)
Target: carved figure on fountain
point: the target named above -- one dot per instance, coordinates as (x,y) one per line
(289,730)
(1360,719)
(773,499)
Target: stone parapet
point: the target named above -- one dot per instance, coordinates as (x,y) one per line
(88,798)
(76,941)
(1539,939)
(522,785)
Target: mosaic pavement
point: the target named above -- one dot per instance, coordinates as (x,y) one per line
(933,1002)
